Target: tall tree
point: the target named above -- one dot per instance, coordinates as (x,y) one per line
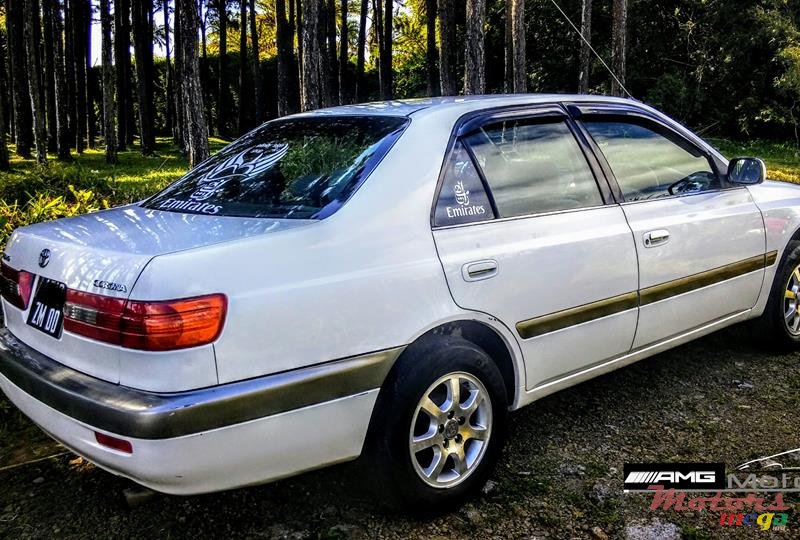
(475,56)
(243,90)
(447,38)
(4,162)
(108,84)
(70,82)
(508,56)
(310,90)
(179,133)
(387,87)
(333,62)
(344,79)
(518,38)
(48,75)
(170,105)
(431,54)
(585,58)
(361,53)
(143,47)
(91,86)
(256,64)
(64,139)
(222,75)
(284,56)
(618,46)
(377,30)
(80,10)
(122,68)
(18,68)
(32,22)
(324,60)
(189,77)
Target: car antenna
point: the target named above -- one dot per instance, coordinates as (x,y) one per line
(572,24)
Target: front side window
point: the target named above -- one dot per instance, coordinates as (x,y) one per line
(298,168)
(649,164)
(534,167)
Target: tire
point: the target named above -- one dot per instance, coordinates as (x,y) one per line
(410,481)
(772,326)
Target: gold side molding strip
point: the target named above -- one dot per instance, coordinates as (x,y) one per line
(686,284)
(577,315)
(609,306)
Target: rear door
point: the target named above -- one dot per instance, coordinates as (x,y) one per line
(525,234)
(700,242)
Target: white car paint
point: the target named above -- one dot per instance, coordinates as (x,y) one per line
(375,276)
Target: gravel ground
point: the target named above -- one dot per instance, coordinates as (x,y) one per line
(720,399)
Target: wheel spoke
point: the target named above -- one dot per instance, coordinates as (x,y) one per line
(796,322)
(473,402)
(459,460)
(790,294)
(436,466)
(454,392)
(431,408)
(425,441)
(790,313)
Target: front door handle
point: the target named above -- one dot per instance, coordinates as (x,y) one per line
(478,270)
(655,238)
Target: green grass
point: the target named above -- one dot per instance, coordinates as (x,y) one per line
(134,177)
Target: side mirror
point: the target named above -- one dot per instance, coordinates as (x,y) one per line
(747,171)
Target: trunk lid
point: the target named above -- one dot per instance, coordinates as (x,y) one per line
(104,253)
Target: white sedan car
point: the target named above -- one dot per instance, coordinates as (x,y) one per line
(388,280)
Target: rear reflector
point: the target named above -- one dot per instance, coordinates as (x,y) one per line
(16,286)
(149,326)
(120,445)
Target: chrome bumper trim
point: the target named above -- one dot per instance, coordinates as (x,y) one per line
(150,415)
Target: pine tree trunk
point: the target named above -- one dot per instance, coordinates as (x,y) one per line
(170,105)
(122,62)
(387,85)
(205,67)
(108,84)
(518,38)
(585,58)
(4,160)
(377,29)
(179,133)
(300,71)
(243,86)
(508,56)
(284,56)
(361,53)
(310,97)
(189,77)
(143,47)
(618,45)
(333,62)
(344,63)
(222,75)
(77,15)
(35,79)
(91,120)
(431,54)
(23,126)
(70,77)
(475,55)
(447,38)
(324,61)
(48,61)
(61,93)
(255,65)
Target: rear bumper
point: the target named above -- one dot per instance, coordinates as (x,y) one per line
(203,440)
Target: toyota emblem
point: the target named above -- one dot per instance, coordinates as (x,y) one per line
(44,258)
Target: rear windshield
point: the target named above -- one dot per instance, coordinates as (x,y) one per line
(301,168)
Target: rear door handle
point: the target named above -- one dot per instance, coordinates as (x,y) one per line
(655,238)
(478,270)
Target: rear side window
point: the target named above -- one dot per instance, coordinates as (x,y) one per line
(534,167)
(298,168)
(462,198)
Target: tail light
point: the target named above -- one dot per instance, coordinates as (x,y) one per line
(149,326)
(16,286)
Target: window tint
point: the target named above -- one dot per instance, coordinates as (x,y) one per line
(647,163)
(533,167)
(301,168)
(462,198)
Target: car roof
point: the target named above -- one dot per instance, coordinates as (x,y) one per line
(423,106)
